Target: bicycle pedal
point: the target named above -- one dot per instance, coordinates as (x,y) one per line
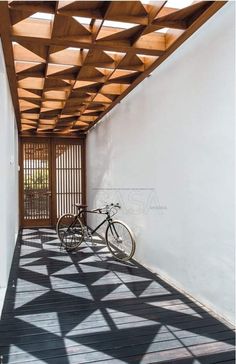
(73,251)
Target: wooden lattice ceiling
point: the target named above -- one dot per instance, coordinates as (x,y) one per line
(70,62)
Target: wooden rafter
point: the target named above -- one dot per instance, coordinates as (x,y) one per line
(9,58)
(70,62)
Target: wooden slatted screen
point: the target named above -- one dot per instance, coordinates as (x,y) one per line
(52,179)
(36,181)
(68,177)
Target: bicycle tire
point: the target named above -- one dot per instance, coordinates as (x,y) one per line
(70,231)
(119,248)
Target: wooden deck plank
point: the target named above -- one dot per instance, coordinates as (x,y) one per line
(163,335)
(50,349)
(89,308)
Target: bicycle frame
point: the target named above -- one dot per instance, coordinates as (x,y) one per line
(107,219)
(118,236)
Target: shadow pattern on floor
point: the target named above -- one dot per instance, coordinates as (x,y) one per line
(89,308)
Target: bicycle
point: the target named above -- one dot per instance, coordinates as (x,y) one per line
(118,236)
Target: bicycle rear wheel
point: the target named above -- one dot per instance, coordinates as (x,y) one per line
(120,240)
(70,231)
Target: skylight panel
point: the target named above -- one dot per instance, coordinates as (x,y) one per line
(82,20)
(60,65)
(178,4)
(42,16)
(147,57)
(118,24)
(74,49)
(125,70)
(14,44)
(27,62)
(162,30)
(115,53)
(57,65)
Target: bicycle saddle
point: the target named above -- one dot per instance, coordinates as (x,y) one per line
(81,206)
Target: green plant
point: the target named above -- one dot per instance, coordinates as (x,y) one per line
(37,180)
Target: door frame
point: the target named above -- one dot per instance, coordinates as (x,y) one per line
(52,141)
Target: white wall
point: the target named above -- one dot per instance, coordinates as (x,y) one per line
(166,154)
(8,180)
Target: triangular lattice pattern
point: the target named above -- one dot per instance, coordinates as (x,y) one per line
(75,60)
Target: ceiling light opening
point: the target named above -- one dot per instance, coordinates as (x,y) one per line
(118,24)
(74,49)
(42,16)
(82,20)
(57,65)
(27,62)
(162,30)
(178,4)
(125,70)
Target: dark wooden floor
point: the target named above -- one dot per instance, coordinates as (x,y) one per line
(89,308)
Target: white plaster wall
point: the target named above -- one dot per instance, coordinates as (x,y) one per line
(9,210)
(166,153)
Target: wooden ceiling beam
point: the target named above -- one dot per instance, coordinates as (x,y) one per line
(85,13)
(36,102)
(72,71)
(5,26)
(34,27)
(63,4)
(97,15)
(154,9)
(33,6)
(207,14)
(71,88)
(107,8)
(29,122)
(22,75)
(175,24)
(96,28)
(17,16)
(112,46)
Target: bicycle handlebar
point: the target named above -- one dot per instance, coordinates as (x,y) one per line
(115,205)
(106,207)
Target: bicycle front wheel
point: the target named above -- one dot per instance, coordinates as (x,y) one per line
(120,240)
(70,231)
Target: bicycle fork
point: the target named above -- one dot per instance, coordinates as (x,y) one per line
(116,236)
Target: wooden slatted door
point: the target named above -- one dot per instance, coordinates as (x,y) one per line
(68,177)
(36,183)
(52,179)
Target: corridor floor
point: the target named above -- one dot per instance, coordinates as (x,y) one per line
(89,308)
